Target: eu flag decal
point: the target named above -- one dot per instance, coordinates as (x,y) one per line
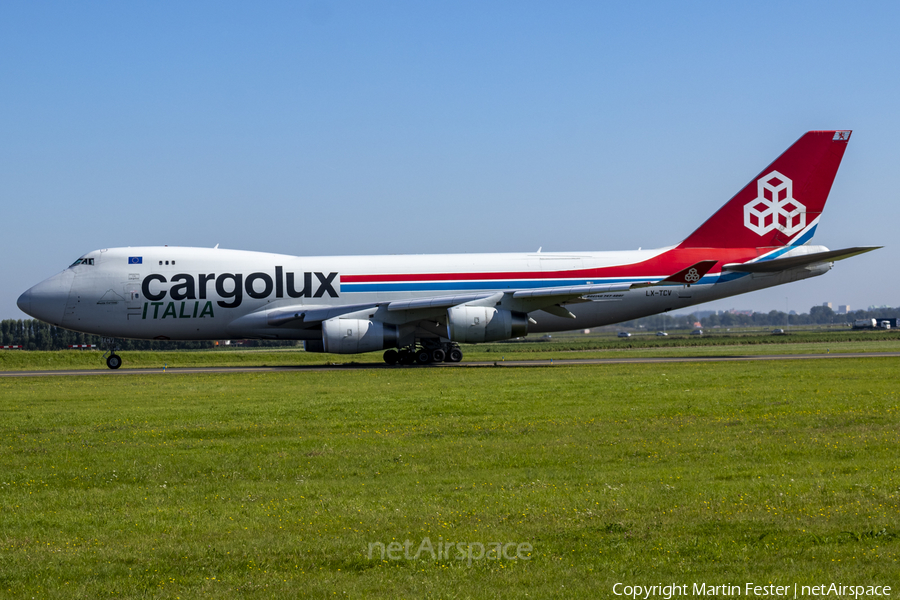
(135,260)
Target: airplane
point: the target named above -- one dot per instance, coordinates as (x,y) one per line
(418,309)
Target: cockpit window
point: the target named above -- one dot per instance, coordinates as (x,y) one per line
(82,261)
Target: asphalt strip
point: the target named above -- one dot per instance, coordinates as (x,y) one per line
(463,365)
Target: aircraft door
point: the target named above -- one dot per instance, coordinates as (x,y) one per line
(133,300)
(69,318)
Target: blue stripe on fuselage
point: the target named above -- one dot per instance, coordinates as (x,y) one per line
(438,286)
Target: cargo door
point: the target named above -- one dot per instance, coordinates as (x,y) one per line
(133,300)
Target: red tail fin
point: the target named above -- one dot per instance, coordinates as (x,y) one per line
(781,206)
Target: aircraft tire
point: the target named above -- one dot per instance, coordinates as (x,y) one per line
(391,357)
(455,355)
(423,357)
(405,357)
(114,361)
(438,355)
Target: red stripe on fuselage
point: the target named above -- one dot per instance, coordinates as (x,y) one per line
(663,265)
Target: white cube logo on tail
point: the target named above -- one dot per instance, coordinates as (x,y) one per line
(774,207)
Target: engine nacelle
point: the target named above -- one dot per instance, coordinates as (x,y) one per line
(474,324)
(352,336)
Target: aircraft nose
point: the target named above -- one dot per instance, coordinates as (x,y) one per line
(47,300)
(24,302)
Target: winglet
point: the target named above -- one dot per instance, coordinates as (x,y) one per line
(687,276)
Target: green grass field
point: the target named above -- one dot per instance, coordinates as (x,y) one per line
(563,346)
(283,484)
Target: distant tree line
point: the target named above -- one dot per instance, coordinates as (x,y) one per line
(32,334)
(817,315)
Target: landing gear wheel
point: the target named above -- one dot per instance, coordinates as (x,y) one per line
(455,355)
(406,357)
(423,357)
(438,355)
(113,361)
(391,357)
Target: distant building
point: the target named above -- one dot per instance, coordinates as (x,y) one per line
(843,309)
(702,314)
(828,304)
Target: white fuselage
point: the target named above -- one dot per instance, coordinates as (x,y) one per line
(181,293)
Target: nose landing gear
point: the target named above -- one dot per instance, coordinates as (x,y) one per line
(113,360)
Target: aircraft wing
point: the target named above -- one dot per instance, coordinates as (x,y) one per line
(312,315)
(781,264)
(549,296)
(561,294)
(549,299)
(436,302)
(522,300)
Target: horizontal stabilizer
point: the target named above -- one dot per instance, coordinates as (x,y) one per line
(781,264)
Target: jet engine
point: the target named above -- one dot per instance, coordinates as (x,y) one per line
(473,324)
(352,336)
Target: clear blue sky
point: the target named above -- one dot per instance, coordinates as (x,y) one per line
(414,127)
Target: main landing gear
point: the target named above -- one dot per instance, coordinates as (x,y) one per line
(113,360)
(425,354)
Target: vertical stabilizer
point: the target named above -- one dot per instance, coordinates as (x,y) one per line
(780,206)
